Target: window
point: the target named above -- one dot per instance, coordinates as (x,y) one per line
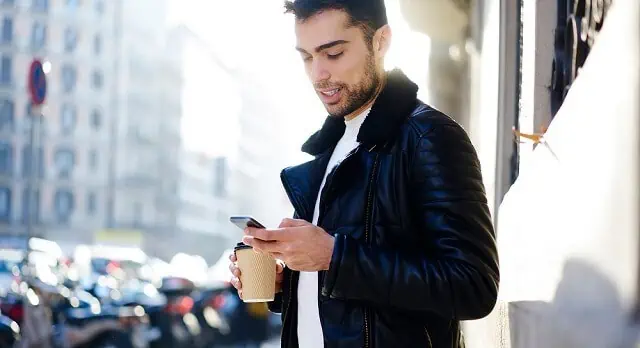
(7,30)
(70,39)
(97,44)
(29,210)
(73,4)
(92,203)
(97,79)
(93,160)
(6,158)
(67,119)
(5,204)
(63,205)
(5,70)
(7,117)
(40,5)
(38,35)
(99,6)
(96,119)
(69,77)
(28,110)
(64,161)
(27,161)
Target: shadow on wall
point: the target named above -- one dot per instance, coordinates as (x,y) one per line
(586,312)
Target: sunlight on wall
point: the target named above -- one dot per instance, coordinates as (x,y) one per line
(409,51)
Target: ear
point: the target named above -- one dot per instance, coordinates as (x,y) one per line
(382,41)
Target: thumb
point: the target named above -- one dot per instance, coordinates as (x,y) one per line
(293,223)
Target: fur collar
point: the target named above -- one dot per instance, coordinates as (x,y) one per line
(392,107)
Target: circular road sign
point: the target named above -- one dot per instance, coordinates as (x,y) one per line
(37,83)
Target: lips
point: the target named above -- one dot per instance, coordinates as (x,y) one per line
(330,96)
(330,93)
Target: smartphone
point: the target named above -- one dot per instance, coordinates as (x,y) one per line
(245,221)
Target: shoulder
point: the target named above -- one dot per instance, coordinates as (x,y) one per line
(425,120)
(430,135)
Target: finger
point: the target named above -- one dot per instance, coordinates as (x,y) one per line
(262,246)
(235,281)
(262,233)
(286,222)
(236,272)
(240,293)
(279,268)
(233,257)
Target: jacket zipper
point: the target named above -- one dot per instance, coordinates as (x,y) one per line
(426,331)
(367,227)
(297,207)
(286,310)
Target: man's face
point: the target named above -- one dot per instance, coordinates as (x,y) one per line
(338,61)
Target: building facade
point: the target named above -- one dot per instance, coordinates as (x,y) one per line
(109,136)
(144,174)
(69,191)
(263,151)
(205,206)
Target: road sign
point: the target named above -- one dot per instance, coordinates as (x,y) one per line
(37,83)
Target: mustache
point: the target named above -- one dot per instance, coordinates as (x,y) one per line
(327,85)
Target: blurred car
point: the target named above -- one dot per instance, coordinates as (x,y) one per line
(9,332)
(226,320)
(171,323)
(10,262)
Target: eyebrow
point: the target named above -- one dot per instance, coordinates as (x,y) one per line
(324,46)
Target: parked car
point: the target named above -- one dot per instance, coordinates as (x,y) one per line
(9,332)
(229,320)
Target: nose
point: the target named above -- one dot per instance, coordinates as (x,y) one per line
(318,72)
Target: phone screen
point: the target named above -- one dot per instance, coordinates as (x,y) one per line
(245,221)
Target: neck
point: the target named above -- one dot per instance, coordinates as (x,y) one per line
(368,104)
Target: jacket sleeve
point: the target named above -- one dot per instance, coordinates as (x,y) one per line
(275,306)
(454,271)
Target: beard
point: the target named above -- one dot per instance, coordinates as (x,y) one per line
(357,95)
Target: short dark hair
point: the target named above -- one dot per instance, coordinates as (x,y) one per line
(370,15)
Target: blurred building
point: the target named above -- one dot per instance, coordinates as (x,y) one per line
(205,206)
(210,104)
(263,152)
(75,39)
(111,130)
(146,131)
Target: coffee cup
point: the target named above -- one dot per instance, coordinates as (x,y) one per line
(257,274)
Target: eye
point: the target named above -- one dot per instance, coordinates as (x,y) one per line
(306,57)
(335,56)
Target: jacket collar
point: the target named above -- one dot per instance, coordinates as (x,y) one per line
(391,108)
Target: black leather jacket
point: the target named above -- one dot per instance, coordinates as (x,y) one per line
(414,250)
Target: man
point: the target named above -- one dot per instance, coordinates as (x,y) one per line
(393,243)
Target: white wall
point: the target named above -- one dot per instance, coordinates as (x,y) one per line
(568,228)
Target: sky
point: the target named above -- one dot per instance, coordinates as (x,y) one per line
(255,36)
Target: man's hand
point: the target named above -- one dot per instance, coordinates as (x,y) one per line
(301,245)
(235,271)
